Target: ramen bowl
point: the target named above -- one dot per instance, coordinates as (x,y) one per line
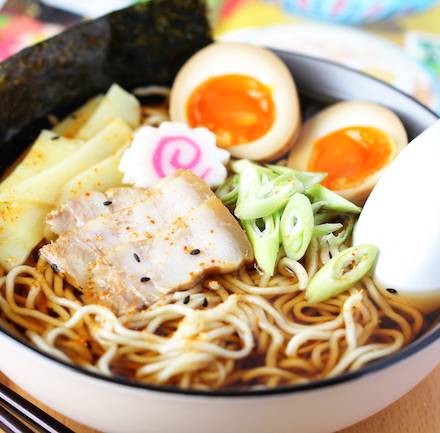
(137,47)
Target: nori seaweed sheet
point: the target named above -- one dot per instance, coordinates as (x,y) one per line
(143,44)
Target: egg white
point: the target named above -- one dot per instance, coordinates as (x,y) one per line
(343,115)
(224,58)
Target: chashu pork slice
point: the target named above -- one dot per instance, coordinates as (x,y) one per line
(76,212)
(206,240)
(173,197)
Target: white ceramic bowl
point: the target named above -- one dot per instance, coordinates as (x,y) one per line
(116,405)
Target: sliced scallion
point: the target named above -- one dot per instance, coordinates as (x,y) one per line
(239,165)
(297,226)
(264,235)
(341,272)
(325,217)
(260,195)
(325,229)
(333,201)
(337,227)
(307,179)
(317,206)
(343,235)
(228,192)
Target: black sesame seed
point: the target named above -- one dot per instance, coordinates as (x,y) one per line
(186,300)
(252,267)
(145,279)
(107,203)
(195,251)
(393,291)
(137,258)
(55,137)
(205,303)
(55,268)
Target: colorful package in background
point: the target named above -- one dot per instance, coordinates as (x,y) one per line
(25,22)
(425,47)
(353,11)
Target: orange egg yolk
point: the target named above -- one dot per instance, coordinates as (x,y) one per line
(350,155)
(237,108)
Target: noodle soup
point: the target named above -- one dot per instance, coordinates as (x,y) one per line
(127,270)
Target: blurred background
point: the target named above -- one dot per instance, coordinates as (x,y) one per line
(397,41)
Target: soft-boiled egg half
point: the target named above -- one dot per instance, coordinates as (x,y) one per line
(352,142)
(242,93)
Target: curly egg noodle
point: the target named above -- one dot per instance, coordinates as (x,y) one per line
(239,329)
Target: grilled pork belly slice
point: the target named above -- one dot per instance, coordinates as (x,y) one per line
(208,239)
(75,213)
(173,197)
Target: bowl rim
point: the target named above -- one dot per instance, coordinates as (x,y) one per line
(414,347)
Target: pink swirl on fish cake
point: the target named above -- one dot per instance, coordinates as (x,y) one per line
(171,154)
